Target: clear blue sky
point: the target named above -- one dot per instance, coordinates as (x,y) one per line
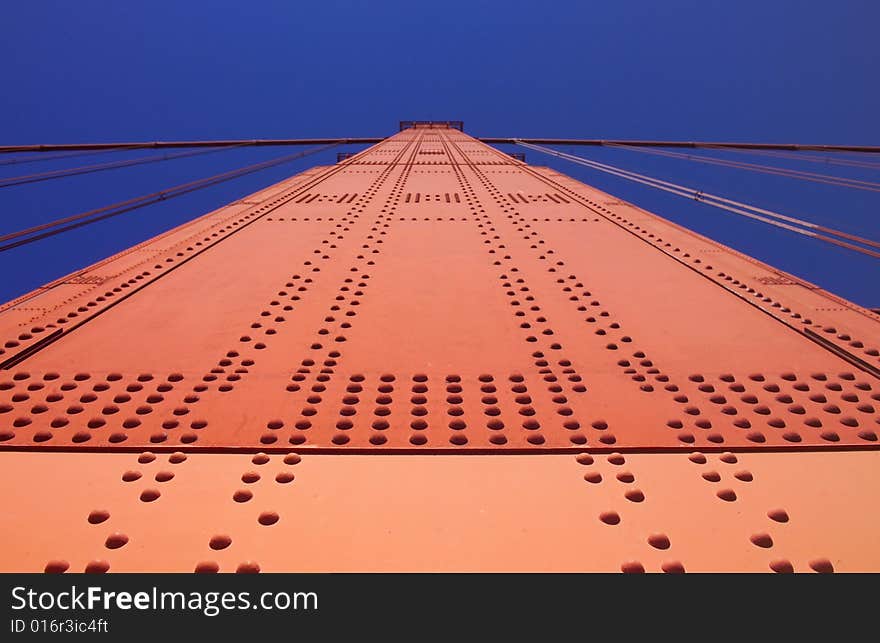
(768,70)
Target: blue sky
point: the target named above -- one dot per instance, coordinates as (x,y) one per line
(766,71)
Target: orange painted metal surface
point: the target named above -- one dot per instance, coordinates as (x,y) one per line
(606,512)
(428,296)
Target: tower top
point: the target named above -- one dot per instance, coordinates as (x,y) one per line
(459,125)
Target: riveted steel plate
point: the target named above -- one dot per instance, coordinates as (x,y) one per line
(432,294)
(671,512)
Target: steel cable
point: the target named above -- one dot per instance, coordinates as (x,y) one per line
(51,228)
(766,169)
(36,158)
(101,167)
(792,224)
(800,156)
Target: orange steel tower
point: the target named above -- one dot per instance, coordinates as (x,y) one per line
(433,356)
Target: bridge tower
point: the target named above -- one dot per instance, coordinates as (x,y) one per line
(435,356)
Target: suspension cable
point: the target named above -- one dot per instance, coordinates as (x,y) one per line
(89,169)
(769,217)
(800,156)
(766,169)
(72,147)
(600,142)
(868,149)
(37,158)
(23,237)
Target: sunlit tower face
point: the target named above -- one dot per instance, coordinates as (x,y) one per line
(433,296)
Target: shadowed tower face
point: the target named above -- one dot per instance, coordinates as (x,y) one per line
(435,295)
